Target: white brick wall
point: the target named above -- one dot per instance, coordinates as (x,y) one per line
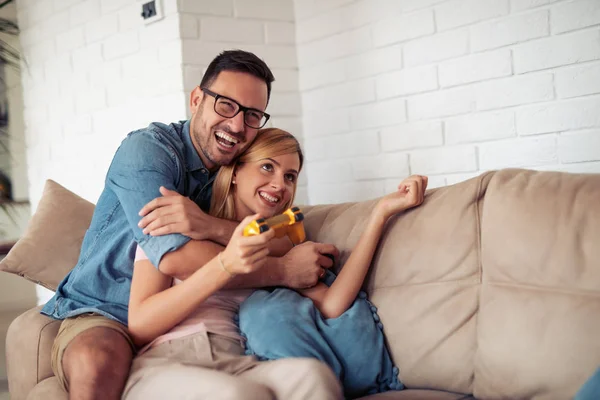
(461,87)
(525,152)
(75,55)
(375,90)
(555,51)
(578,146)
(578,81)
(473,68)
(444,160)
(406,81)
(402,28)
(510,30)
(265,27)
(95,72)
(456,13)
(480,127)
(559,116)
(381,166)
(436,47)
(572,16)
(513,91)
(412,135)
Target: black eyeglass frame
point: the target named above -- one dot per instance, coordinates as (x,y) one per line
(218,96)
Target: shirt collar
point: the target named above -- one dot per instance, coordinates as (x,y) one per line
(193,161)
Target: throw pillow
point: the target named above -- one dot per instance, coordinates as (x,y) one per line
(50,246)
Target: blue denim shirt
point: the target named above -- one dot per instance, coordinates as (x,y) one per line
(146,159)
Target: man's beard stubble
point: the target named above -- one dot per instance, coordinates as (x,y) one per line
(205,145)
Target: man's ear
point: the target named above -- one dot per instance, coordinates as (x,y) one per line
(196,98)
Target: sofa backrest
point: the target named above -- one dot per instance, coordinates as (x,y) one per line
(424,280)
(488,286)
(539,311)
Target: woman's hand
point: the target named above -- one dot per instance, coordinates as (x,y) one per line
(410,193)
(174,213)
(244,255)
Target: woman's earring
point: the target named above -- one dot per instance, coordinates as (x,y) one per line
(233,181)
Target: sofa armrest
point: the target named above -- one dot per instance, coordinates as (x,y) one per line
(28,351)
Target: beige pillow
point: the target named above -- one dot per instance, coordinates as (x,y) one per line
(50,246)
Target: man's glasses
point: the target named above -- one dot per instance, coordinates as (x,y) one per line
(229,108)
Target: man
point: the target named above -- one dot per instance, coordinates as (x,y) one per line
(92,353)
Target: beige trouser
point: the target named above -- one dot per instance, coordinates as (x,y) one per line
(209,366)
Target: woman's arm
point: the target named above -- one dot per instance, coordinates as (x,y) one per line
(155,306)
(333,301)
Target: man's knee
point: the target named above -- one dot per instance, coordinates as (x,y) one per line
(96,354)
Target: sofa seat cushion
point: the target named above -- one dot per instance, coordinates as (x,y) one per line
(48,389)
(28,351)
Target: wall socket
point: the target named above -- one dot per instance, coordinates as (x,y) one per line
(150,10)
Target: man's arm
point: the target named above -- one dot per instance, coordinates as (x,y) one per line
(299,268)
(174,213)
(141,165)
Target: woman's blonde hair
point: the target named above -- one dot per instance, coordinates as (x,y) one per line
(269,143)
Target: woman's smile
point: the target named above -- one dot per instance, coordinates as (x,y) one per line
(268,199)
(266,186)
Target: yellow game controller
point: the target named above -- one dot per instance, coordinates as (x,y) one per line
(289,223)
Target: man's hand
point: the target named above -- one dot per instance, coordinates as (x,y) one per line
(303,265)
(174,213)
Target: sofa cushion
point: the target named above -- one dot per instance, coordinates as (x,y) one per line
(50,246)
(49,389)
(539,316)
(28,351)
(424,280)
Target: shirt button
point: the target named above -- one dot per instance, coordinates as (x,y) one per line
(204,171)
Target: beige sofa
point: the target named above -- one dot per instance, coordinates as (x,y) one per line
(490,289)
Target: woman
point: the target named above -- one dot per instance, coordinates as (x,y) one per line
(283,323)
(187,329)
(333,321)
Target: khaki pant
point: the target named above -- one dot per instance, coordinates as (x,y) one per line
(70,328)
(209,366)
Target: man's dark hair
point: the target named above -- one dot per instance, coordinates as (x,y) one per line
(238,61)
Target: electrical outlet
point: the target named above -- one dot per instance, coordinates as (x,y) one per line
(151,10)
